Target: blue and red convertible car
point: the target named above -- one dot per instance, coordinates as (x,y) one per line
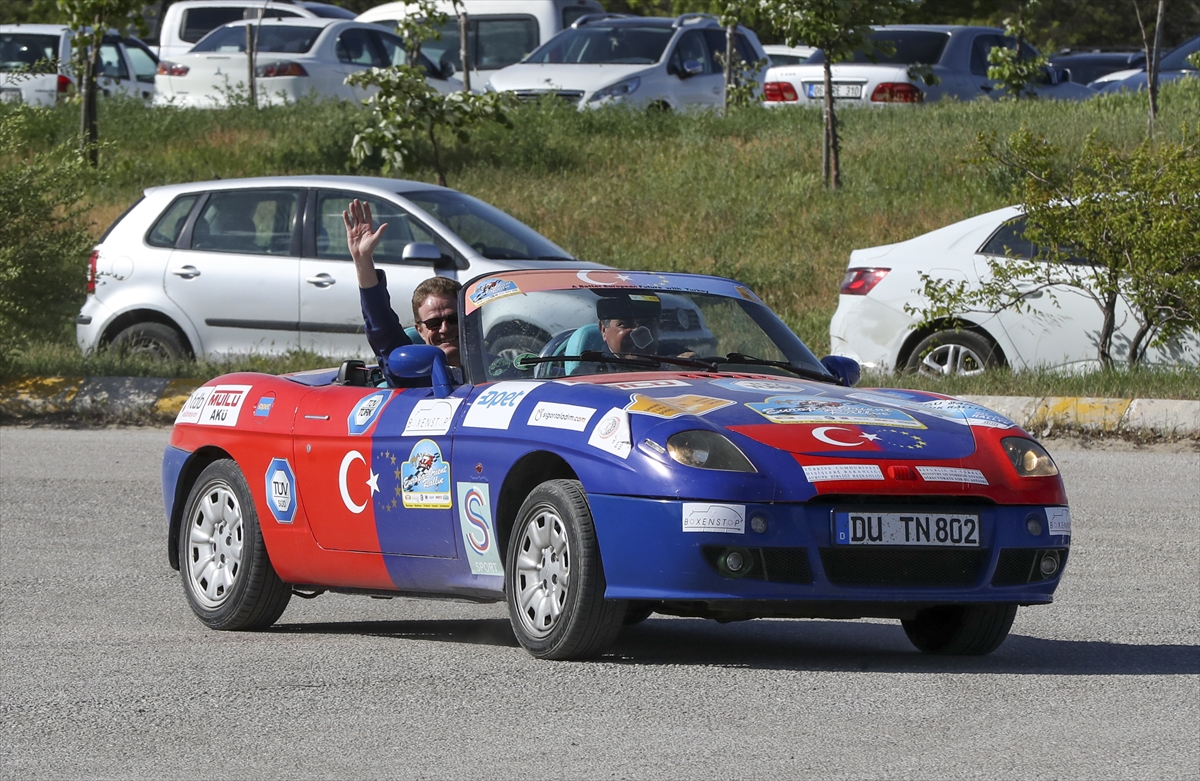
(710,467)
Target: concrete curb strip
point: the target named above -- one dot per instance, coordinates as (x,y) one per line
(161,399)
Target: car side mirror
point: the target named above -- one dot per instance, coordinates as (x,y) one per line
(845,369)
(419,250)
(1062,75)
(414,361)
(445,69)
(691,68)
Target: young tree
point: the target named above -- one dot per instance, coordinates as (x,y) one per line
(1016,74)
(1121,228)
(406,107)
(91,20)
(1153,55)
(838,28)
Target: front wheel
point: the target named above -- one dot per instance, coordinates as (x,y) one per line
(227,575)
(960,630)
(555,579)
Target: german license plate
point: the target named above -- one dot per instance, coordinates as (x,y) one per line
(839,90)
(952,530)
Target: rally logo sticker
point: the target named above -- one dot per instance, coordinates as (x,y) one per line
(191,409)
(641,384)
(647,405)
(950,474)
(825,472)
(431,417)
(611,433)
(801,409)
(761,386)
(366,412)
(723,518)
(281,490)
(565,416)
(263,408)
(221,406)
(478,531)
(492,289)
(425,478)
(494,408)
(696,405)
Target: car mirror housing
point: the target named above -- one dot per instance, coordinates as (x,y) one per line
(419,250)
(692,68)
(845,369)
(446,69)
(414,361)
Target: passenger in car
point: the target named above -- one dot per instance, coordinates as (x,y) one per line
(434,302)
(629,323)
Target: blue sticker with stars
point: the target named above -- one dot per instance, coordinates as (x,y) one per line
(806,409)
(425,478)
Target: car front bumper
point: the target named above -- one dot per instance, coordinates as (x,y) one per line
(648,556)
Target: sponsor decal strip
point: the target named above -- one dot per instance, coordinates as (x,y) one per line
(495,406)
(431,417)
(825,472)
(478,531)
(1058,520)
(949,474)
(722,518)
(566,416)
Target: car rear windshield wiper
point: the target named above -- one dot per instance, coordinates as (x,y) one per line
(750,360)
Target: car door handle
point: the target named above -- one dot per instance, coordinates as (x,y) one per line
(321,280)
(187,272)
(986,87)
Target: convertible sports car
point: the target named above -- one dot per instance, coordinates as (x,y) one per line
(613,475)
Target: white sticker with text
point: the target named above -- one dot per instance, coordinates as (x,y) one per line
(611,433)
(494,407)
(949,474)
(817,474)
(431,417)
(723,518)
(1059,520)
(568,416)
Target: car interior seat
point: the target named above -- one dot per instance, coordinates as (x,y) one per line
(586,337)
(236,231)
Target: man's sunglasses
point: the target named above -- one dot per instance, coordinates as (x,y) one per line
(435,323)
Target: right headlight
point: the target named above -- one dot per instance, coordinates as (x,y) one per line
(1028,457)
(707,450)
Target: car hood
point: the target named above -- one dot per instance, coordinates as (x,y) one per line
(548,77)
(801,417)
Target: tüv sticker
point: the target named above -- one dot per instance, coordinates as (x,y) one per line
(723,518)
(479,534)
(281,490)
(366,412)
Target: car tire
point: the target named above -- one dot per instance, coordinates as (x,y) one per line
(953,353)
(555,579)
(514,345)
(960,630)
(227,576)
(151,340)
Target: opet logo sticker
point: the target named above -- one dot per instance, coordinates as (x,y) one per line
(494,407)
(479,535)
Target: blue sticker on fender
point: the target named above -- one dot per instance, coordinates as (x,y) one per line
(366,412)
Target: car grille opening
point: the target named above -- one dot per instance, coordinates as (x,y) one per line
(567,95)
(1018,566)
(774,565)
(921,567)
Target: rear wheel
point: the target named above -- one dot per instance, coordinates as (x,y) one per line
(960,630)
(151,340)
(961,353)
(555,579)
(227,575)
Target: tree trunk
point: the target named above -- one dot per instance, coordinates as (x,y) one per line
(89,132)
(464,50)
(1153,63)
(437,157)
(829,150)
(729,33)
(1106,329)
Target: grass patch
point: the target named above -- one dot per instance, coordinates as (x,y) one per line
(1122,383)
(738,196)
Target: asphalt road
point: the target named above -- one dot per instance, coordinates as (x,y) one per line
(106,673)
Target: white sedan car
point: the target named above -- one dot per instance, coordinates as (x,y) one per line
(294,58)
(957,55)
(36,65)
(1060,329)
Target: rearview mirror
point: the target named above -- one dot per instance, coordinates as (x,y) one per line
(845,369)
(414,361)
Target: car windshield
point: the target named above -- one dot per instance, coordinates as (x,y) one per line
(912,47)
(271,38)
(597,44)
(1177,59)
(592,322)
(25,50)
(491,232)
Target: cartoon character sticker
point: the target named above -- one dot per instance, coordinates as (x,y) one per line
(478,531)
(491,289)
(808,409)
(425,478)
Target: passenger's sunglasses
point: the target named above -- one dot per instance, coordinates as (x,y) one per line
(435,323)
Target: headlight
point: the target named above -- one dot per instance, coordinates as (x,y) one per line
(1028,457)
(618,90)
(707,450)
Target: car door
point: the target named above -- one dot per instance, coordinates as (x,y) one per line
(330,313)
(114,74)
(1061,326)
(144,65)
(237,277)
(357,50)
(977,82)
(702,89)
(373,469)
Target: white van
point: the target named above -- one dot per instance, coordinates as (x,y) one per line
(187,21)
(500,32)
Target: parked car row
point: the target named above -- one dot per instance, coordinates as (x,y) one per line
(36,64)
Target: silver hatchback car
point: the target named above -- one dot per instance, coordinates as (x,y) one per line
(261,266)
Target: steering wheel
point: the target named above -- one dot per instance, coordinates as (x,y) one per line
(549,349)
